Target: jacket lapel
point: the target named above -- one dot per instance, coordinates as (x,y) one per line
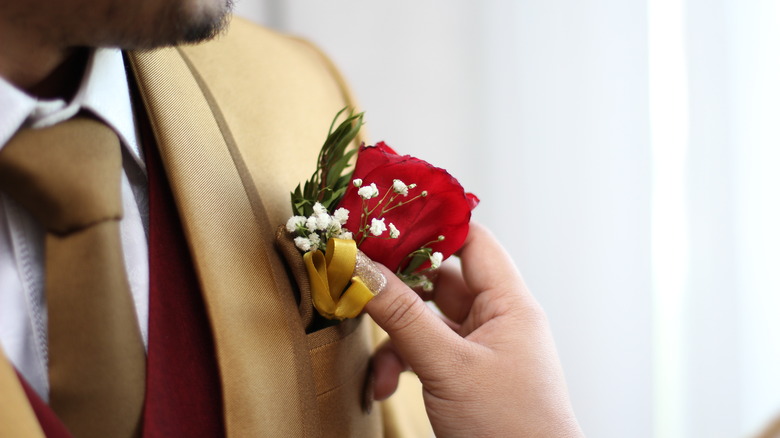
(260,344)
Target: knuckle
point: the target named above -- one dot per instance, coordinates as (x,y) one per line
(403,311)
(533,315)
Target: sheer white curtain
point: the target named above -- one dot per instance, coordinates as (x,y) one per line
(626,152)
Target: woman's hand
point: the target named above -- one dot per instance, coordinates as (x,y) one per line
(491,368)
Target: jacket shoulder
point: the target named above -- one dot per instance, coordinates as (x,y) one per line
(253,56)
(278,95)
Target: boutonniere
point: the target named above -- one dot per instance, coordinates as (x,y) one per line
(394,209)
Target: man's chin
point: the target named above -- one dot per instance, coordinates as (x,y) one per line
(206,21)
(181,24)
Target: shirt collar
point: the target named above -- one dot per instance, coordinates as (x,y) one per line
(104,91)
(15,107)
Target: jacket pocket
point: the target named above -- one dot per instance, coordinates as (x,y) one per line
(340,354)
(340,357)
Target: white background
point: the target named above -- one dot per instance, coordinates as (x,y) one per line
(625,152)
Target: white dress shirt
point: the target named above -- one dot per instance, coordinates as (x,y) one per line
(103,91)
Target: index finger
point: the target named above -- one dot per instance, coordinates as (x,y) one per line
(414,328)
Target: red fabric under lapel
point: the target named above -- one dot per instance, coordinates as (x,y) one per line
(183,395)
(51,425)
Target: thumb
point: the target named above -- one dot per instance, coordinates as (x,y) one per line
(419,335)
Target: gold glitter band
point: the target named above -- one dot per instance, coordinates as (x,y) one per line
(368,272)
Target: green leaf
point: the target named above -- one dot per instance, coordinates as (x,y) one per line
(337,168)
(417,258)
(329,181)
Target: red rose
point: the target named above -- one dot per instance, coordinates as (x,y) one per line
(436,206)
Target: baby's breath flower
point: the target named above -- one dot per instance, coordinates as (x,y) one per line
(436,259)
(400,188)
(294,222)
(303,243)
(394,232)
(314,238)
(334,227)
(319,208)
(378,226)
(368,192)
(341,215)
(311,223)
(357,182)
(345,235)
(323,220)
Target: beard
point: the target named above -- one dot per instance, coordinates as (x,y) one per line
(122,24)
(126,24)
(180,24)
(205,26)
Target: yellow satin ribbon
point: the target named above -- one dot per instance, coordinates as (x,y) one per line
(329,275)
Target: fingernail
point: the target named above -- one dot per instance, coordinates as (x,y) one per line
(367,270)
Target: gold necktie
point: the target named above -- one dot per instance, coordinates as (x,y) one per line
(68,177)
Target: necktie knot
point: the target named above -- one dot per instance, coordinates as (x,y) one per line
(67,175)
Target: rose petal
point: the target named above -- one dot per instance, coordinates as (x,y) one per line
(445,211)
(472,199)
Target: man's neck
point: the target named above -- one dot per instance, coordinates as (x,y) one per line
(64,80)
(40,69)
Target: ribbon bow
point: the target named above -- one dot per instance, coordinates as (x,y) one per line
(329,275)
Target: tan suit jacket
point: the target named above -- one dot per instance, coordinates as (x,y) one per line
(239,122)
